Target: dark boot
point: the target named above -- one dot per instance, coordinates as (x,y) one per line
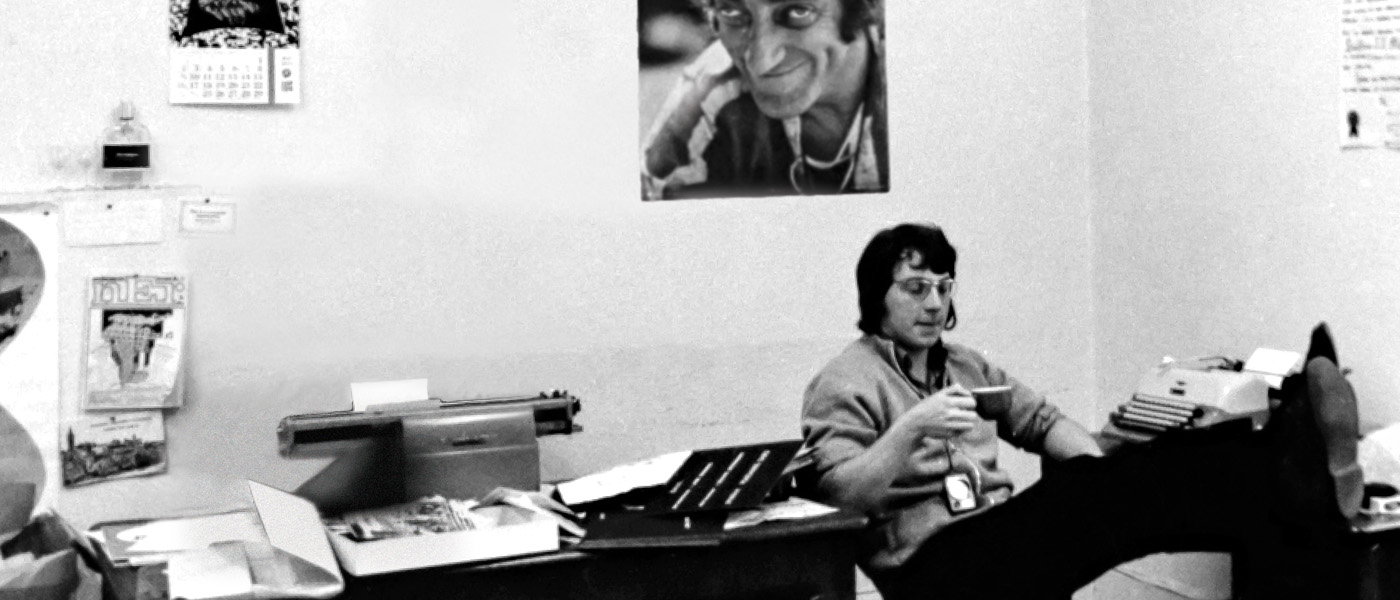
(1303,496)
(1320,344)
(1334,410)
(1314,434)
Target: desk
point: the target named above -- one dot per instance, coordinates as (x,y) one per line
(1376,558)
(802,560)
(1370,557)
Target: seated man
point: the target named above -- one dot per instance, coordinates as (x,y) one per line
(898,436)
(790,100)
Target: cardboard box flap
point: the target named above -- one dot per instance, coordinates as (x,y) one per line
(294,525)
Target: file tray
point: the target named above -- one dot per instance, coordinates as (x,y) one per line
(725,479)
(690,510)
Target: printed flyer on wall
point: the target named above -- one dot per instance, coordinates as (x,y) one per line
(1370,74)
(235,52)
(108,446)
(135,335)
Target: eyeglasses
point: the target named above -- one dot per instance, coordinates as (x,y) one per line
(919,287)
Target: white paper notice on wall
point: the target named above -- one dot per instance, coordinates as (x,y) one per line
(114,222)
(1370,74)
(206,215)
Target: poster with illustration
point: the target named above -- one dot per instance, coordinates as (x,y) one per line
(747,98)
(135,337)
(102,447)
(235,51)
(29,406)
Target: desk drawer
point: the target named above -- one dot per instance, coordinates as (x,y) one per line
(797,568)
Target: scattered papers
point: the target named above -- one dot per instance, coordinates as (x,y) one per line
(154,541)
(437,514)
(281,546)
(537,502)
(207,573)
(622,479)
(512,531)
(45,559)
(370,393)
(791,509)
(1273,365)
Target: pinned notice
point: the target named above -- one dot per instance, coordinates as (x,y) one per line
(113,222)
(206,216)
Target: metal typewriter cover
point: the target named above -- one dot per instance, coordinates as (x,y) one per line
(467,455)
(1234,392)
(459,449)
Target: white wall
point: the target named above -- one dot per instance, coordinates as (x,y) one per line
(457,199)
(1220,184)
(1225,216)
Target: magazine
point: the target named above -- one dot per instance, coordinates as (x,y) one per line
(110,446)
(135,337)
(426,515)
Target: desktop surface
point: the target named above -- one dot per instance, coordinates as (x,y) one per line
(803,559)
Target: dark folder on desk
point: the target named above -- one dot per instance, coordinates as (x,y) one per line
(691,508)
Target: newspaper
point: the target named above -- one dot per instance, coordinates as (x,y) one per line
(135,338)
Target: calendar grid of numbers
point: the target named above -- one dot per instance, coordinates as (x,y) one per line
(235,52)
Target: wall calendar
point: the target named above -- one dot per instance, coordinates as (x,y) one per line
(235,52)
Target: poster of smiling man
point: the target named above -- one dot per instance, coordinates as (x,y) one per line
(744,98)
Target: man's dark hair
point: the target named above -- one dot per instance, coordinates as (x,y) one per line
(855,16)
(875,270)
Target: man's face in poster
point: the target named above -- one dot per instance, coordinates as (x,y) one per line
(790,52)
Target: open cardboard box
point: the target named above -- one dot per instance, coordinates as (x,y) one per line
(373,475)
(294,523)
(518,531)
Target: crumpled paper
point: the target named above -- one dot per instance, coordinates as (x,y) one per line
(44,559)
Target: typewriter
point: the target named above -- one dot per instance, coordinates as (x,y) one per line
(460,448)
(1178,397)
